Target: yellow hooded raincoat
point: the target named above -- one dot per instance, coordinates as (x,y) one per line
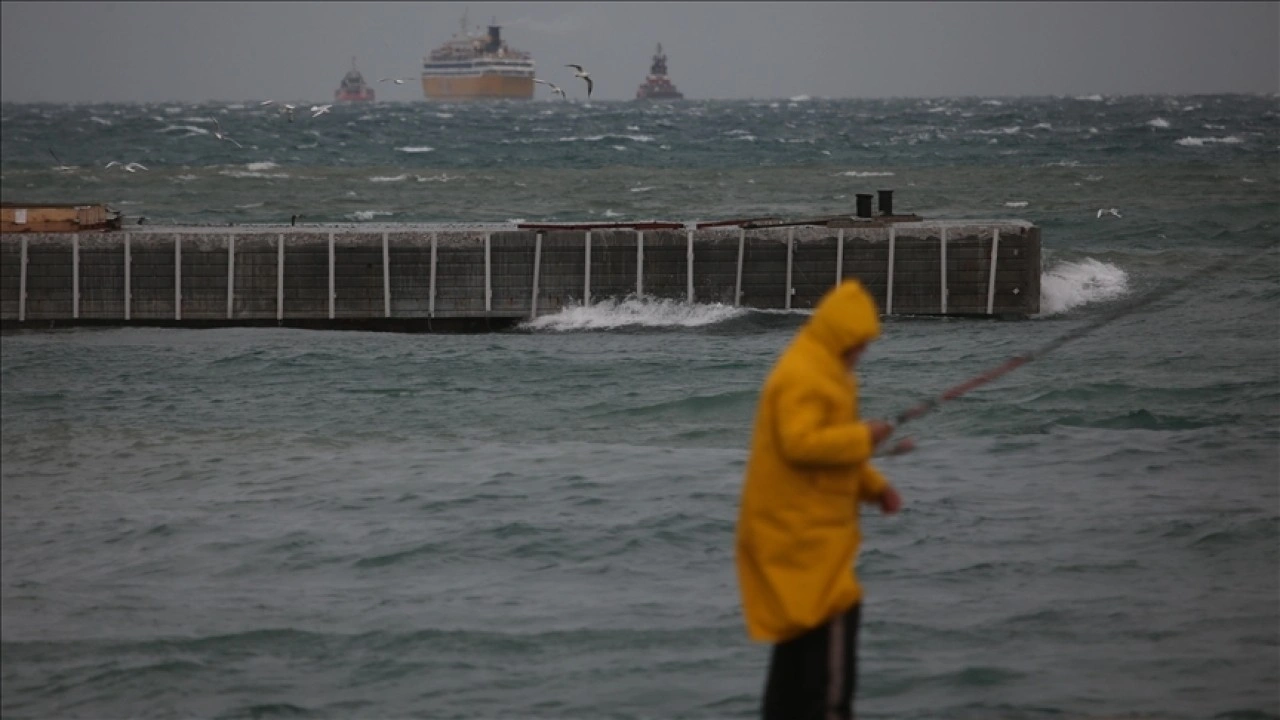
(797,535)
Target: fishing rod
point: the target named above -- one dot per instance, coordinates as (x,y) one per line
(927,406)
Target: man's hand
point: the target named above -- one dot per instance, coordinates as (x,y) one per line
(890,501)
(880,431)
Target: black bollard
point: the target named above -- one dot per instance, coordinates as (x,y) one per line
(864,205)
(886,202)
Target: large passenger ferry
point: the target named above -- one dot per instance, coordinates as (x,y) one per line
(477,67)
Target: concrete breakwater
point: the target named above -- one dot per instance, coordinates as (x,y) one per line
(476,278)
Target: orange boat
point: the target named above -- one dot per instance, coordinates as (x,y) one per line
(353,87)
(657,86)
(477,67)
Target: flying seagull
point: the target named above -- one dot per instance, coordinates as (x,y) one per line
(1112,211)
(132,167)
(60,167)
(584,75)
(398,81)
(318,110)
(287,111)
(218,135)
(554,88)
(265,103)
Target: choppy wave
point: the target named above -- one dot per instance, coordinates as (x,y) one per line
(635,312)
(415,149)
(1202,141)
(1069,285)
(369,214)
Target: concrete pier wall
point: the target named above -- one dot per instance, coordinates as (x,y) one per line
(474,279)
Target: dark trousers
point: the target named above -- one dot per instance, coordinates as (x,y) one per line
(813,676)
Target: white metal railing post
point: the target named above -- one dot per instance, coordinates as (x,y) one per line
(737,284)
(75,275)
(431,302)
(942,243)
(332,291)
(639,263)
(839,255)
(537,268)
(991,277)
(128,279)
(488,286)
(386,276)
(231,276)
(888,293)
(280,278)
(689,267)
(22,281)
(177,277)
(586,274)
(791,237)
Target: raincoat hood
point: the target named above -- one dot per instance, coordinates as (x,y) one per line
(847,316)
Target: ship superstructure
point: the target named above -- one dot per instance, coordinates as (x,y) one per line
(657,86)
(477,67)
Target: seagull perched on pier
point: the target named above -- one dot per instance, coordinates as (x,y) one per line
(554,87)
(1112,211)
(219,135)
(584,75)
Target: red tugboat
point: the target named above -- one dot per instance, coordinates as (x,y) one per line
(657,86)
(353,87)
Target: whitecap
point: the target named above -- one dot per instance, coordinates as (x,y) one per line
(389,178)
(1158,123)
(632,311)
(647,188)
(252,174)
(866,173)
(1016,204)
(368,214)
(1201,142)
(101,121)
(415,149)
(1069,285)
(265,165)
(1089,98)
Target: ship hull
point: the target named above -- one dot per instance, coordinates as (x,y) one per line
(353,97)
(477,87)
(659,95)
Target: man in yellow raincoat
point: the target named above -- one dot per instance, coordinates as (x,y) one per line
(797,535)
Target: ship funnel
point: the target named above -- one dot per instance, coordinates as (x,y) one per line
(886,202)
(495,39)
(864,204)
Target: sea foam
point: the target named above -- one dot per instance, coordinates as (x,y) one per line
(635,312)
(1069,285)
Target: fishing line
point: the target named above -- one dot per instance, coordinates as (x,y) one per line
(924,408)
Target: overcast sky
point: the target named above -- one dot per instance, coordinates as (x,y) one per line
(190,51)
